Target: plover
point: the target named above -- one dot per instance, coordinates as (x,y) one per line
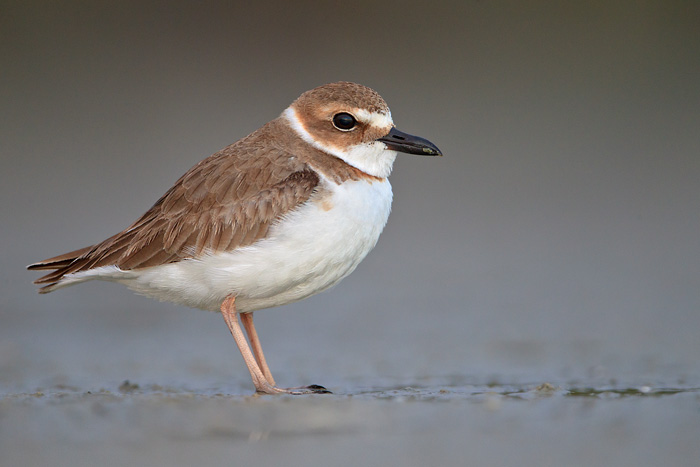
(278,216)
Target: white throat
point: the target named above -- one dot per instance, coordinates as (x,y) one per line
(373,158)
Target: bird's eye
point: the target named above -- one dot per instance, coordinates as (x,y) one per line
(344,121)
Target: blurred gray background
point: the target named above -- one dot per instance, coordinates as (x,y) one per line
(558,239)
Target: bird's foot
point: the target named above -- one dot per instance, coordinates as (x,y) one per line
(312,389)
(298,391)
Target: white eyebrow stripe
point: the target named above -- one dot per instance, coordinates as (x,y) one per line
(375,119)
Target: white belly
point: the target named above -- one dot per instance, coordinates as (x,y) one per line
(312,249)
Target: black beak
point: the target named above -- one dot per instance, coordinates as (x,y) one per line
(403,142)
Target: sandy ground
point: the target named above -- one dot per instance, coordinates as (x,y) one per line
(433,425)
(63,402)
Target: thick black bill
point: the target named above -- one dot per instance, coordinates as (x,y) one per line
(403,142)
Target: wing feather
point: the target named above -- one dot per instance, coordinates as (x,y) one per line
(226,201)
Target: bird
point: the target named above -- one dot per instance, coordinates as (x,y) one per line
(278,216)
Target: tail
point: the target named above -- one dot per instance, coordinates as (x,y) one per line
(61,265)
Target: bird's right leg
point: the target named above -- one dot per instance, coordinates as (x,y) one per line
(247,320)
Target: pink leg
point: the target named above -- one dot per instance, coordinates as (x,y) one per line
(262,379)
(228,310)
(247,320)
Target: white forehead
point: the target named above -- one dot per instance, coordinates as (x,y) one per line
(375,119)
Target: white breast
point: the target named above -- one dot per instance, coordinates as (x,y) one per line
(310,250)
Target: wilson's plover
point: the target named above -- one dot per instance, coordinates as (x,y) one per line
(278,216)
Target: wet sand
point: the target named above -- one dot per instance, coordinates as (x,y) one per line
(146,387)
(523,424)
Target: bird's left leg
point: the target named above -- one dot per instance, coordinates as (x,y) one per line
(247,320)
(228,310)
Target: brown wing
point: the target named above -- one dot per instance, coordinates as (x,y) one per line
(228,200)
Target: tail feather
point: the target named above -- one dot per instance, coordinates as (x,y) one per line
(61,265)
(60,260)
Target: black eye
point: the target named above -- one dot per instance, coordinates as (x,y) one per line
(344,121)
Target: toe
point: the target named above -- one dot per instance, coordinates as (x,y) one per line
(316,389)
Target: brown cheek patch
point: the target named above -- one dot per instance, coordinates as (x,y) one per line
(322,130)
